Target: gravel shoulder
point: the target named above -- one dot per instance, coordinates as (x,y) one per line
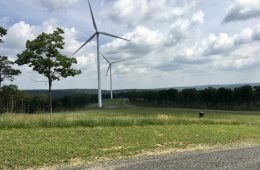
(239,159)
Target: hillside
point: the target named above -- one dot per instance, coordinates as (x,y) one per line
(74,92)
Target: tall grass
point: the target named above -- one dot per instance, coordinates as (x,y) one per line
(127,117)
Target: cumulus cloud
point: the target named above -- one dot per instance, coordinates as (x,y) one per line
(142,41)
(224,43)
(155,49)
(256,33)
(242,10)
(244,36)
(244,57)
(86,61)
(53,5)
(218,52)
(181,27)
(220,44)
(133,12)
(145,40)
(198,17)
(20,32)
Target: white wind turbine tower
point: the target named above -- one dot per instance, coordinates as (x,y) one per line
(96,34)
(110,69)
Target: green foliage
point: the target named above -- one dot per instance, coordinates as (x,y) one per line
(11,99)
(6,70)
(42,54)
(240,98)
(3,32)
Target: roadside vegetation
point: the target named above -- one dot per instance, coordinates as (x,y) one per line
(93,135)
(139,116)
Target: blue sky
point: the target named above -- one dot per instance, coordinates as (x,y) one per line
(173,42)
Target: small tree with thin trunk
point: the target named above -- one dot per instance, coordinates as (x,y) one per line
(43,55)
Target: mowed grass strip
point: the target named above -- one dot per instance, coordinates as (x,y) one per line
(24,148)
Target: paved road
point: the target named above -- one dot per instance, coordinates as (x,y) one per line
(237,159)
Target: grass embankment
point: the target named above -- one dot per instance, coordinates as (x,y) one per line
(41,140)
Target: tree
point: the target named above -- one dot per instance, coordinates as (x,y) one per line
(2,33)
(43,55)
(189,96)
(246,94)
(257,92)
(7,97)
(6,70)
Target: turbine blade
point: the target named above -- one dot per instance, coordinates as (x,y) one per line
(118,61)
(105,58)
(92,16)
(107,34)
(109,67)
(86,42)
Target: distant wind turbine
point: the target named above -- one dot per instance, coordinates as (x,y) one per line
(110,69)
(97,33)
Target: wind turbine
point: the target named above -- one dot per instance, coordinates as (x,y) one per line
(97,34)
(110,69)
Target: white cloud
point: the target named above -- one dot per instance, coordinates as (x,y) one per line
(198,17)
(86,61)
(221,44)
(256,33)
(224,43)
(244,57)
(237,52)
(135,12)
(53,5)
(20,32)
(142,41)
(154,50)
(242,10)
(182,27)
(244,36)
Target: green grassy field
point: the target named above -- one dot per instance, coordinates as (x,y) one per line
(93,135)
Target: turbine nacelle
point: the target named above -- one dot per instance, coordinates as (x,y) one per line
(111,63)
(97,32)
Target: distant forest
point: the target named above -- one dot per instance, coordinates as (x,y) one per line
(239,98)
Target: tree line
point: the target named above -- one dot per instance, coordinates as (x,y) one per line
(240,98)
(245,97)
(14,100)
